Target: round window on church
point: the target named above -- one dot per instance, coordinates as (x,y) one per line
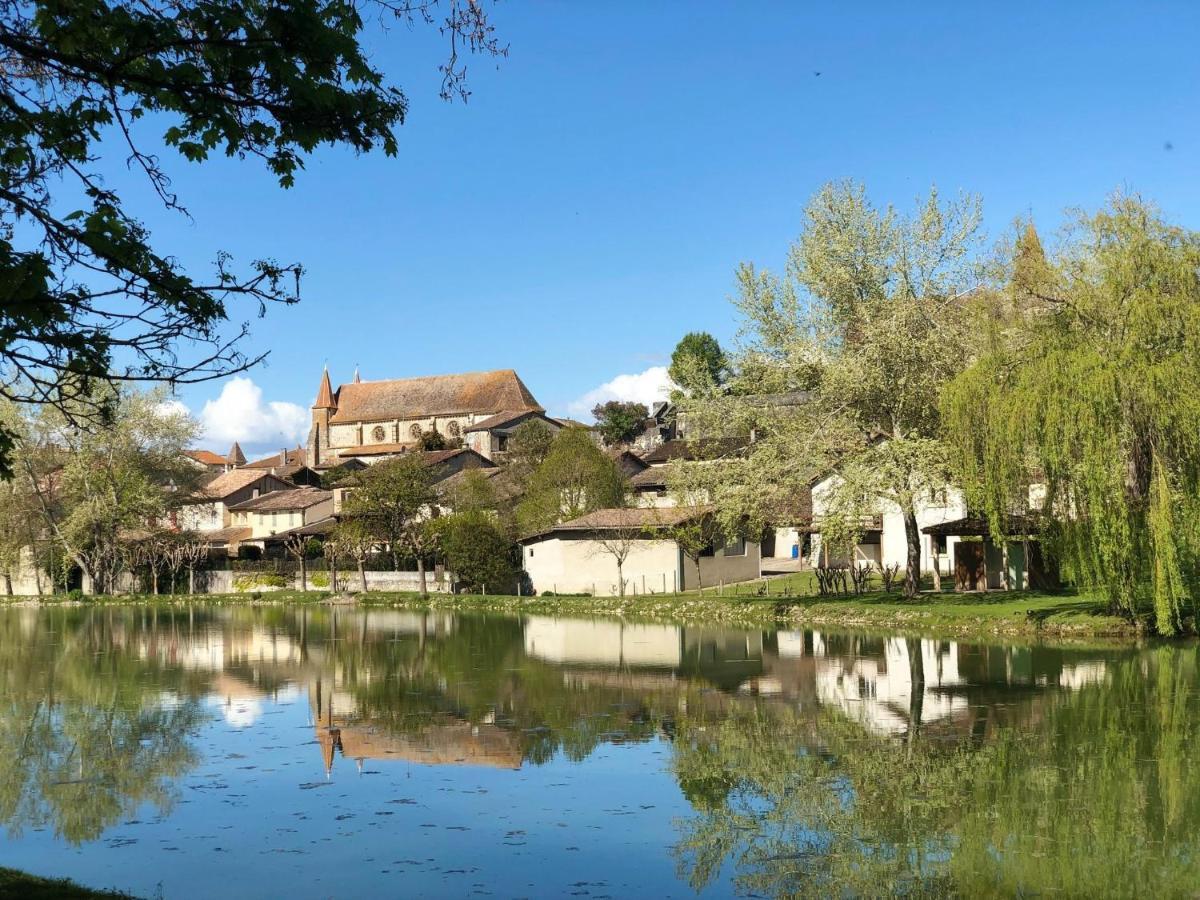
(453,430)
(415,431)
(377,433)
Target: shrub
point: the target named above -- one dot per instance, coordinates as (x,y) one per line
(319,579)
(75,595)
(259,579)
(478,552)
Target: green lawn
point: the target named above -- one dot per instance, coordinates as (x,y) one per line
(14,883)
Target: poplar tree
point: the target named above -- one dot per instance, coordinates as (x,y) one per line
(866,325)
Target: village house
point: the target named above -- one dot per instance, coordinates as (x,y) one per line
(209,510)
(650,486)
(280,511)
(372,420)
(215,463)
(576,556)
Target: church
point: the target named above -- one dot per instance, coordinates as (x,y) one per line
(369,420)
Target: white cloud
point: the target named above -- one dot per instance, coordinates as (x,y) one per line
(644,387)
(239,414)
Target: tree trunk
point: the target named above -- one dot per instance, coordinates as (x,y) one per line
(699,577)
(424,588)
(912,572)
(154,581)
(303,574)
(362,573)
(620,579)
(191,581)
(8,584)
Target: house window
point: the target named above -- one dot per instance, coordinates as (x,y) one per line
(377,433)
(502,442)
(453,429)
(939,544)
(415,430)
(531,553)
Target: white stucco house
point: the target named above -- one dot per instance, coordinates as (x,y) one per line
(576,556)
(883,541)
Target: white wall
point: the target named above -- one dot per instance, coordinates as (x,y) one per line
(893,545)
(577,565)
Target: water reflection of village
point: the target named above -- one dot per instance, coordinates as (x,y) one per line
(435,689)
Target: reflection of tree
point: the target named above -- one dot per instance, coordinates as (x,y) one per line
(88,737)
(1100,797)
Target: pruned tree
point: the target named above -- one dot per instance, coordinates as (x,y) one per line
(299,547)
(88,88)
(354,538)
(618,540)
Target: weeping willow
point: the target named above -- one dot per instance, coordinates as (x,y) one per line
(1086,404)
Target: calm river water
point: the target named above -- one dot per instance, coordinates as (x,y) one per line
(269,752)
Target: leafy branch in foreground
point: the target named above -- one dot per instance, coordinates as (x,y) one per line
(86,299)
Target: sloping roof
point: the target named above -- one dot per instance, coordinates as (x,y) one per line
(374,450)
(206,457)
(708,448)
(978,526)
(297,457)
(299,498)
(225,535)
(640,517)
(627,461)
(573,423)
(220,486)
(653,477)
(484,393)
(507,417)
(312,529)
(324,393)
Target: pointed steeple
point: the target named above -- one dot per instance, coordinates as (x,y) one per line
(236,456)
(357,378)
(324,393)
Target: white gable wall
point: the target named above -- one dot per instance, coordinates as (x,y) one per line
(946,506)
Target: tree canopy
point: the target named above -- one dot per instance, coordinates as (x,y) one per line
(871,318)
(88,85)
(575,478)
(698,364)
(620,421)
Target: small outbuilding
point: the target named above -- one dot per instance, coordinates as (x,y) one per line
(983,564)
(580,556)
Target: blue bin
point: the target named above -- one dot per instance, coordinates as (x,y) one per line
(795,551)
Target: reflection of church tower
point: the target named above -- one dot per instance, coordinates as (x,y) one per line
(322,411)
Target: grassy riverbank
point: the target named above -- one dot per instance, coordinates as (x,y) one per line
(15,883)
(1019,613)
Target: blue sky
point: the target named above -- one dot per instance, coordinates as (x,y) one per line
(590,203)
